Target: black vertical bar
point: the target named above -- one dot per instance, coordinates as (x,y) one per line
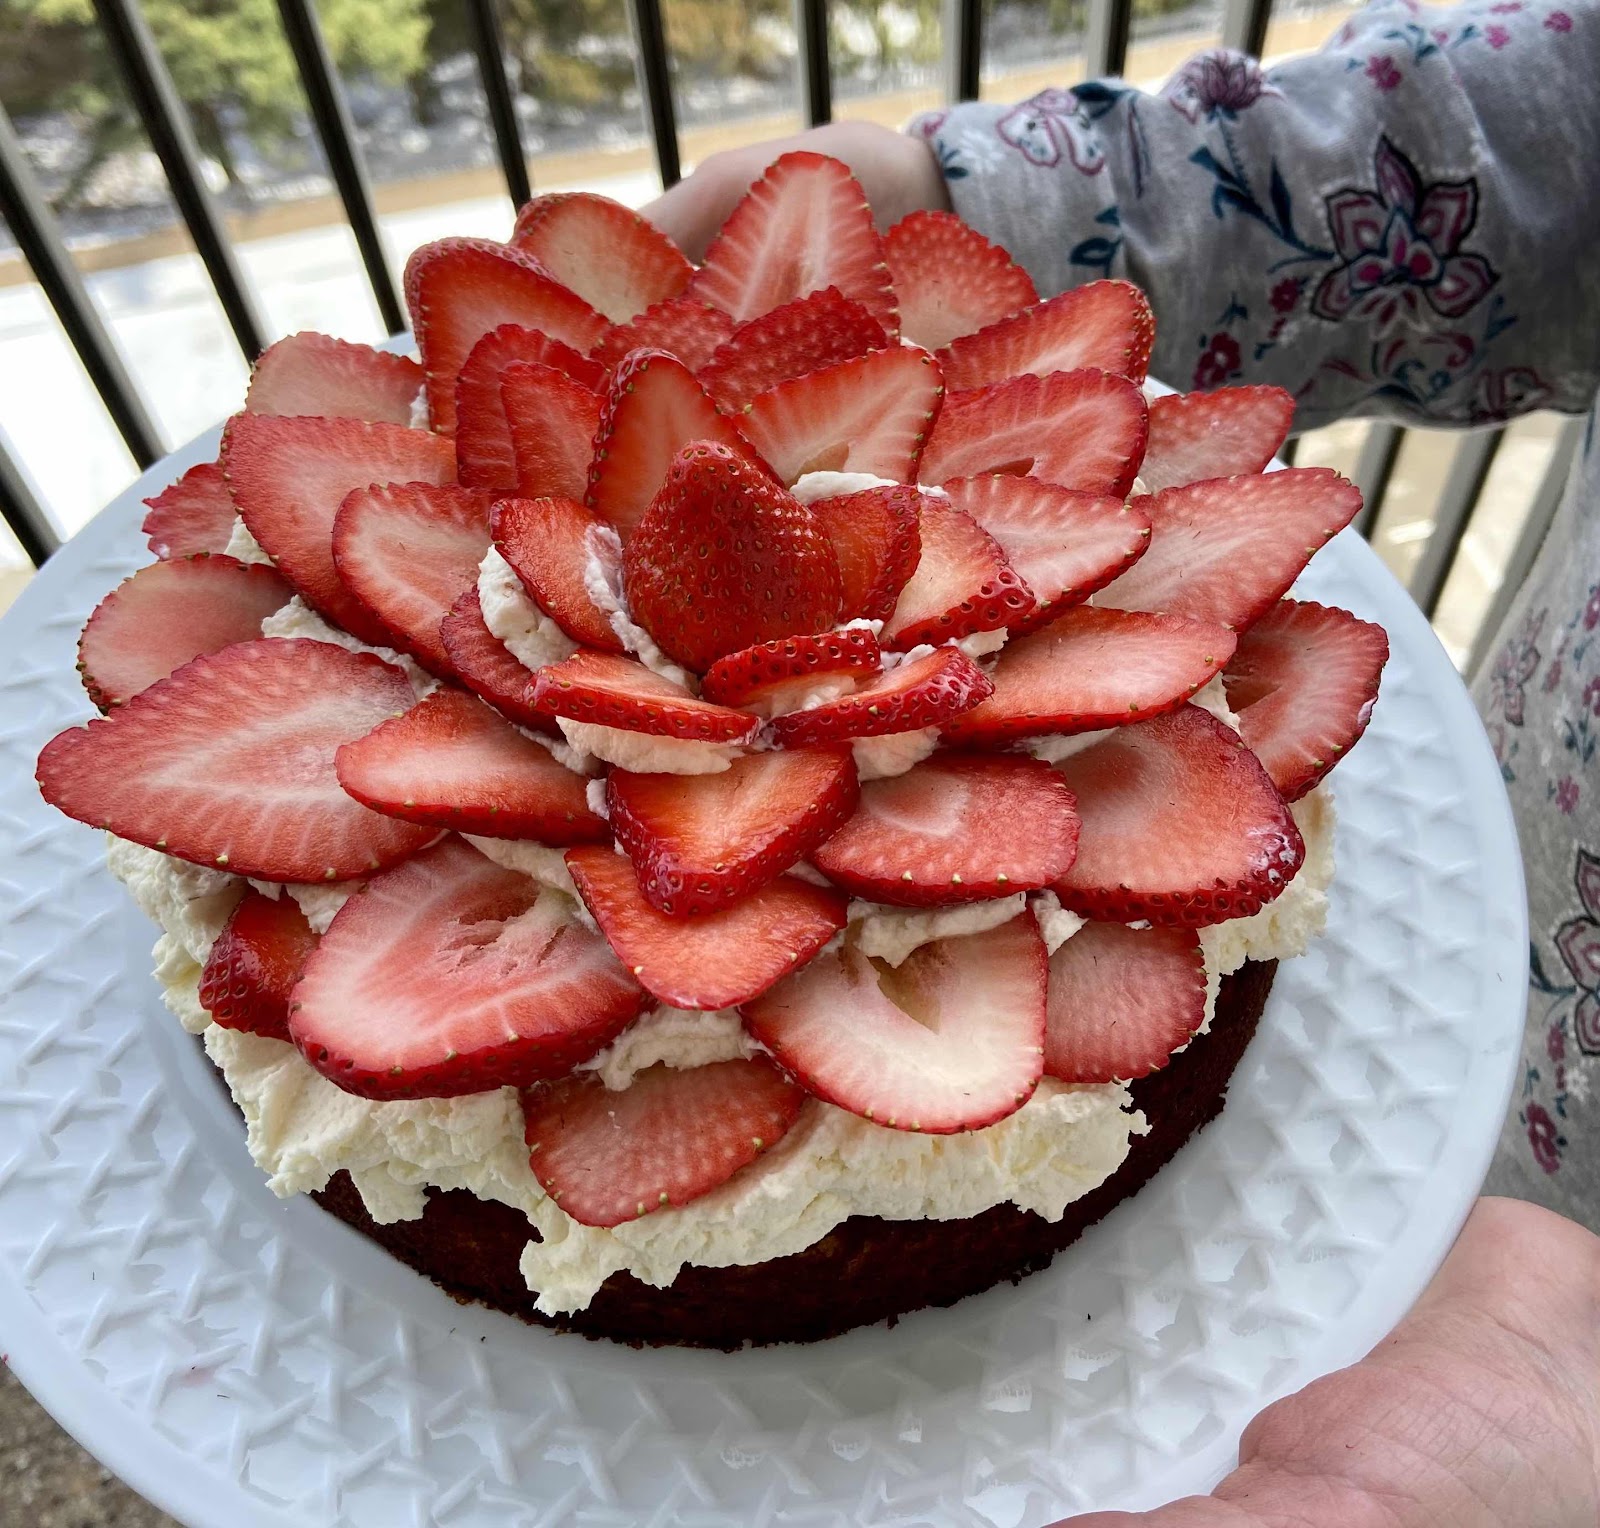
(963,48)
(816,84)
(1374,467)
(23,514)
(39,238)
(140,65)
(1244,25)
(1106,43)
(655,84)
(490,42)
(326,99)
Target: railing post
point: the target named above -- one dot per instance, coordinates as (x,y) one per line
(1469,469)
(22,513)
(816,83)
(489,39)
(1244,25)
(963,49)
(1105,43)
(1374,467)
(655,85)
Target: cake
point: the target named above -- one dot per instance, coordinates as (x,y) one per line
(724,804)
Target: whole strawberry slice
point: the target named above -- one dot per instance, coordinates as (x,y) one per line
(724,558)
(700,842)
(963,583)
(1092,668)
(682,326)
(1181,826)
(168,613)
(950,280)
(1106,325)
(288,478)
(408,551)
(1228,550)
(552,421)
(612,691)
(228,762)
(195,514)
(547,542)
(773,677)
(1081,429)
(254,964)
(877,538)
(959,827)
(451,975)
(719,958)
(668,1138)
(482,662)
(926,692)
(1304,681)
(310,373)
(800,337)
(1195,436)
(1122,1000)
(949,1040)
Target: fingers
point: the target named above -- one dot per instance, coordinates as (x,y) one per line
(1192,1512)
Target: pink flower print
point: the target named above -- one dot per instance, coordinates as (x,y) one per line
(1555,1043)
(1049,126)
(1578,941)
(1567,794)
(1497,37)
(1285,295)
(1506,8)
(1516,665)
(1382,72)
(1591,611)
(1440,36)
(1218,362)
(1515,390)
(1591,696)
(1218,83)
(1558,21)
(1543,1137)
(1552,676)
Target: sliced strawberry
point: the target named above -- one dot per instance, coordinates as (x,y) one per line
(254,964)
(805,225)
(1196,436)
(800,337)
(877,538)
(700,842)
(408,551)
(1081,429)
(951,1039)
(310,373)
(482,662)
(681,326)
(195,514)
(168,613)
(1106,325)
(483,437)
(926,692)
(950,280)
(669,1137)
(1304,681)
(653,410)
(1122,1000)
(612,691)
(872,414)
(1227,550)
(451,975)
(719,958)
(963,583)
(547,543)
(461,289)
(605,252)
(288,478)
(1092,668)
(1181,825)
(764,678)
(552,421)
(228,762)
(959,827)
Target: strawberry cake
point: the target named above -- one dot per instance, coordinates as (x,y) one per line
(728,802)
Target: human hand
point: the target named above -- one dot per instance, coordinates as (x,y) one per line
(898,173)
(1481,1409)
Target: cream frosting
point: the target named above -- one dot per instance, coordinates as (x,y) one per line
(243,546)
(646,753)
(877,758)
(509,612)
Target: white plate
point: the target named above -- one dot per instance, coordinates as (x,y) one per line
(251,1364)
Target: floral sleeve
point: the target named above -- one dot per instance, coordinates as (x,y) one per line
(1405,222)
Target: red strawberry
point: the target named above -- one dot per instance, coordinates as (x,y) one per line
(724,558)
(771,677)
(949,1040)
(605,252)
(669,1137)
(681,326)
(1122,1000)
(926,692)
(552,421)
(168,613)
(1092,668)
(451,762)
(228,762)
(451,975)
(482,663)
(700,842)
(800,337)
(311,373)
(871,414)
(547,543)
(949,279)
(1227,550)
(719,958)
(959,827)
(803,226)
(1064,544)
(1106,325)
(483,438)
(407,551)
(1081,429)
(194,514)
(612,691)
(1304,681)
(1195,436)
(963,583)
(288,478)
(1180,826)
(253,966)
(461,289)
(877,538)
